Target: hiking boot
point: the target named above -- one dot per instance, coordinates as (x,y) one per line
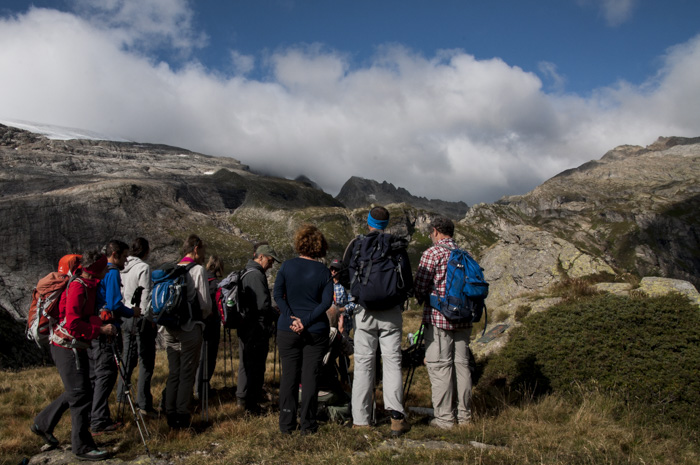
(437,423)
(253,409)
(94,455)
(149,414)
(48,438)
(110,428)
(399,427)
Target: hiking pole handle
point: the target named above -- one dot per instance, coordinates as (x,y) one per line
(136,298)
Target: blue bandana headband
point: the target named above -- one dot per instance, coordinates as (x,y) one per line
(376,224)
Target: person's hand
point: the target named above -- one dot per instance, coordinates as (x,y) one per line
(109,330)
(296,325)
(137,311)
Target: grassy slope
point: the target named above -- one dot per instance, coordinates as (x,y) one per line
(586,424)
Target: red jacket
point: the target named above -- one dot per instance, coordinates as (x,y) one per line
(77,306)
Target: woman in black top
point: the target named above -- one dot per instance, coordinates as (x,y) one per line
(303,291)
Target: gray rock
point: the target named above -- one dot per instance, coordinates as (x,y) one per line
(360,193)
(529,260)
(653,286)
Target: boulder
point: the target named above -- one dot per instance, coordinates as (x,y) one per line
(653,286)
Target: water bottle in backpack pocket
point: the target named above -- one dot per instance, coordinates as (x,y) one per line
(228,299)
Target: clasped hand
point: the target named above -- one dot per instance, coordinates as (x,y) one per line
(296,325)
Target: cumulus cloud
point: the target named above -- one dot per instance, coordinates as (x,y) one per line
(447,126)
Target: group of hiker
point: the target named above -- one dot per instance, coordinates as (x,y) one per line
(113,305)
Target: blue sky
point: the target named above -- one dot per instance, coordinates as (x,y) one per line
(456,100)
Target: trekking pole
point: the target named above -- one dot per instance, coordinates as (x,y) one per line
(138,418)
(225,362)
(274,358)
(121,408)
(204,387)
(135,301)
(230,354)
(412,368)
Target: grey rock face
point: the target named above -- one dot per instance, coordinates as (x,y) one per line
(654,286)
(359,192)
(529,260)
(637,208)
(67,196)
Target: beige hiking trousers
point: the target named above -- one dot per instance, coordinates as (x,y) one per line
(447,359)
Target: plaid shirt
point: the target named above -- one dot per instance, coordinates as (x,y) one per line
(341,298)
(430,280)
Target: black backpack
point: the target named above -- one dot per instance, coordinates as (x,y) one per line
(169,297)
(379,271)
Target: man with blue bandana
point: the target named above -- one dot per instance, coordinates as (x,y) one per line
(378,320)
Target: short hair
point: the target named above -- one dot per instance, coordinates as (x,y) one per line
(215,265)
(309,241)
(190,243)
(443,225)
(140,247)
(379,213)
(90,257)
(115,246)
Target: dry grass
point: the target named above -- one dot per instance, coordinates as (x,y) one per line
(551,430)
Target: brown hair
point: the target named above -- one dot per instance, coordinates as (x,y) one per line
(190,243)
(443,225)
(140,247)
(215,265)
(309,241)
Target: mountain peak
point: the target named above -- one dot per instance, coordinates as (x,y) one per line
(359,192)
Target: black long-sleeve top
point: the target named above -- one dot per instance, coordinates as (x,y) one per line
(304,289)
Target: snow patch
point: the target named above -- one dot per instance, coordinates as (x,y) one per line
(60,132)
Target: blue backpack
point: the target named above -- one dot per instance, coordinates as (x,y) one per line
(465,289)
(169,297)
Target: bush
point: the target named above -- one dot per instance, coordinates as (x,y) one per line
(644,350)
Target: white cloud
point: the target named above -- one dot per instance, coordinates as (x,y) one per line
(242,64)
(550,72)
(615,12)
(144,24)
(448,126)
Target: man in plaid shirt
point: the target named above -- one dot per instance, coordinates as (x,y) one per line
(341,298)
(447,343)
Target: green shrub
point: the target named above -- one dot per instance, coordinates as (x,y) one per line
(644,350)
(521,312)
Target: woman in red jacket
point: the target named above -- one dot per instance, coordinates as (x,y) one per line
(78,325)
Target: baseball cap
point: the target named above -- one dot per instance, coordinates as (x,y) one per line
(266,249)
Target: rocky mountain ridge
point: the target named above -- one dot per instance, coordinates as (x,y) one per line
(636,208)
(631,213)
(359,193)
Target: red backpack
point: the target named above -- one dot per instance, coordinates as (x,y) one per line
(44,312)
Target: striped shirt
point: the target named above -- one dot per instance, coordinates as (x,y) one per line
(430,280)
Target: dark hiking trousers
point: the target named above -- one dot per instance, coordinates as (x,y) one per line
(302,358)
(103,376)
(253,346)
(142,340)
(77,396)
